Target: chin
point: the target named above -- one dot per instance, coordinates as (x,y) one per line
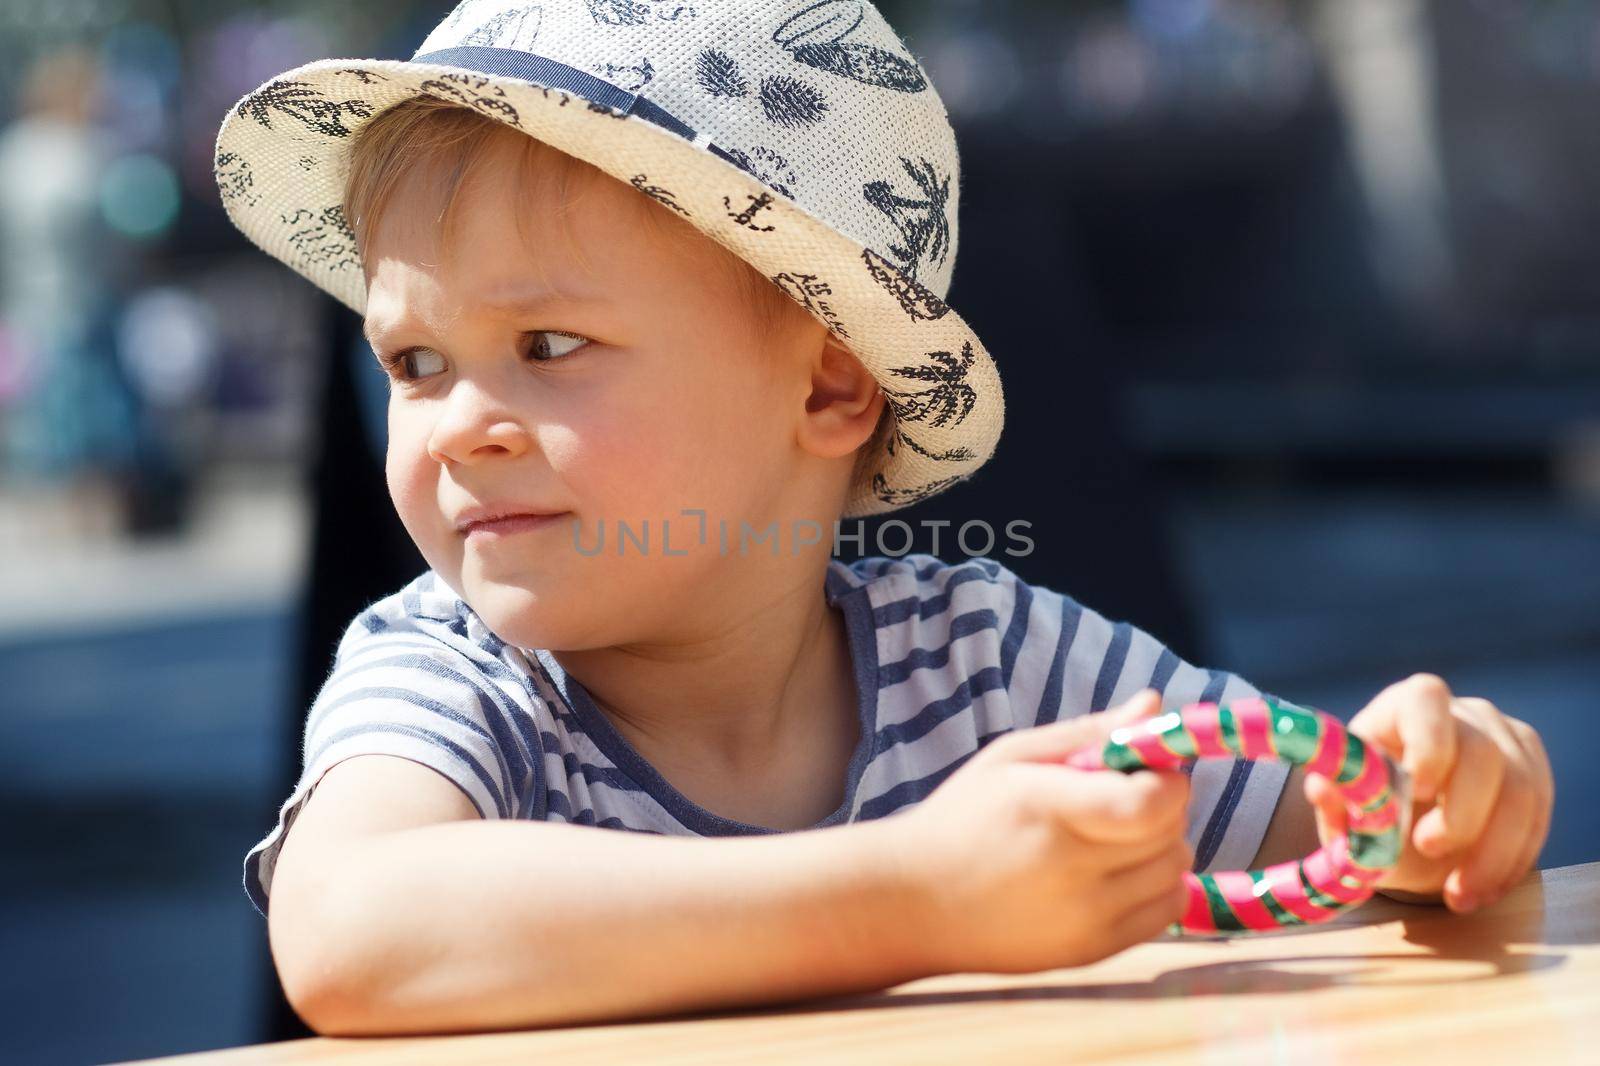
(525,618)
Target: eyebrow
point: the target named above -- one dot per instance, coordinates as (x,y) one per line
(535,303)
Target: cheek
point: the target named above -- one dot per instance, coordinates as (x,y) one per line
(409,475)
(613,452)
(402,491)
(666,447)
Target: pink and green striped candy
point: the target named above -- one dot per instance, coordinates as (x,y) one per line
(1334,878)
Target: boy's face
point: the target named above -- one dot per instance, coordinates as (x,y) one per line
(665,401)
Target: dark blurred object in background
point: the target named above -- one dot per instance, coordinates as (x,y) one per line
(360,552)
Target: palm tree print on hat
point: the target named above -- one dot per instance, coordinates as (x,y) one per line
(948,396)
(917,300)
(881,489)
(815,37)
(791,102)
(921,222)
(954,455)
(299,101)
(718,74)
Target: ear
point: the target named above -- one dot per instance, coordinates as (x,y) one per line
(843,405)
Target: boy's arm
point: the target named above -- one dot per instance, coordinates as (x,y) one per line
(396,909)
(1292,834)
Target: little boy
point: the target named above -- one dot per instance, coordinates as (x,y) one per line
(618,444)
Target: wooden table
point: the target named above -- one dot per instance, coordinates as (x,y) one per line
(1387,983)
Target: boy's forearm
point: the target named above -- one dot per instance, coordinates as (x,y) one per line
(1292,831)
(508,924)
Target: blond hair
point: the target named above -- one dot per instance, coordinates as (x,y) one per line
(400,139)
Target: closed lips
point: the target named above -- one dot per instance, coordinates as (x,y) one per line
(470,519)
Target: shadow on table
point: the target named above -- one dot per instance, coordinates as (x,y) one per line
(1229,977)
(1485,939)
(1258,976)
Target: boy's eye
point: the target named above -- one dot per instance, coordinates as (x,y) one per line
(414,364)
(413,360)
(548,351)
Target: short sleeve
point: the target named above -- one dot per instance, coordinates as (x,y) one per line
(412,687)
(1061,658)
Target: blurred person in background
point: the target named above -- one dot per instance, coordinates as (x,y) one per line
(72,418)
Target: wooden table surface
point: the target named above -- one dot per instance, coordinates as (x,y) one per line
(1386,983)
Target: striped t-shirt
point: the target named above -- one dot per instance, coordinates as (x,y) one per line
(947,657)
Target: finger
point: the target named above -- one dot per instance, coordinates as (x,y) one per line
(1059,739)
(1109,807)
(1333,818)
(1412,718)
(1488,718)
(1152,874)
(1491,861)
(1150,917)
(1468,795)
(1108,859)
(1537,762)
(1114,860)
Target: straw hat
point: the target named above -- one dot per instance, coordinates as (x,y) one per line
(801,135)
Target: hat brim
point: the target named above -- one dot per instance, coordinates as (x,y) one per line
(282,161)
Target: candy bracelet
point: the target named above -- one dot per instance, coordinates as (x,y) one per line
(1334,878)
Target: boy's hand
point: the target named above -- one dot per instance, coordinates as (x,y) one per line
(1482,792)
(1020,864)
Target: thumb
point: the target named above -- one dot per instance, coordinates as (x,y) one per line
(1054,742)
(1328,809)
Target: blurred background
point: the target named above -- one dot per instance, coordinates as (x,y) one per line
(1298,298)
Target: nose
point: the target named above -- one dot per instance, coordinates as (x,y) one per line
(474,426)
